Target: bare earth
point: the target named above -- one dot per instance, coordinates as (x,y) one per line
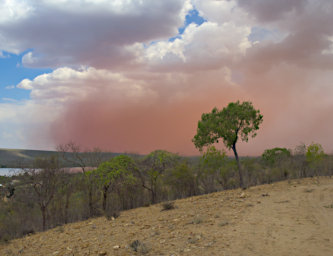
(286,218)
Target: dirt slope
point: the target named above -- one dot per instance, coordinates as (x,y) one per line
(286,218)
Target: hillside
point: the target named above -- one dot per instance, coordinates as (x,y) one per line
(285,218)
(17,158)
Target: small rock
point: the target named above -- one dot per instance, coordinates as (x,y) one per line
(102,253)
(209,244)
(243,195)
(116,247)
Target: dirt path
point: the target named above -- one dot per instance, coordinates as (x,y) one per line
(291,221)
(286,218)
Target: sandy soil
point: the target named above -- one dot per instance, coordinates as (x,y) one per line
(286,218)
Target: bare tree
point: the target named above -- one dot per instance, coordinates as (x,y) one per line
(44,177)
(85,159)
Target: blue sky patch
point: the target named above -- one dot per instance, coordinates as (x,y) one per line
(12,72)
(191,17)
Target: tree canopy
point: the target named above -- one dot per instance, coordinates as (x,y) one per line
(234,122)
(237,120)
(271,156)
(117,170)
(315,153)
(154,165)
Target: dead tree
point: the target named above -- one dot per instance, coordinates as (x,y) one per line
(44,177)
(87,160)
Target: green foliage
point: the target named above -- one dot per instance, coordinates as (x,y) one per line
(214,169)
(314,153)
(157,162)
(114,174)
(213,159)
(230,123)
(237,120)
(160,160)
(181,180)
(68,197)
(272,156)
(121,166)
(154,165)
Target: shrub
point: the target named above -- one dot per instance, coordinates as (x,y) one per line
(139,246)
(168,206)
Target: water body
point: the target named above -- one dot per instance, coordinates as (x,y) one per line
(9,171)
(13,171)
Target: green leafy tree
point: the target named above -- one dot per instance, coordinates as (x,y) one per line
(114,173)
(274,155)
(314,153)
(182,180)
(277,160)
(213,158)
(234,122)
(314,156)
(213,169)
(154,166)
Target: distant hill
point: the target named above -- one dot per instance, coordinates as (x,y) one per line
(17,158)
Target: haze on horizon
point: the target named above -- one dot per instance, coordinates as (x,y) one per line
(135,76)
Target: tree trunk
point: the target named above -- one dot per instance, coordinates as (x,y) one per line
(43,209)
(241,183)
(153,196)
(67,207)
(91,208)
(105,195)
(154,191)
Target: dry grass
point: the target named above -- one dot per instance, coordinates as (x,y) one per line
(216,224)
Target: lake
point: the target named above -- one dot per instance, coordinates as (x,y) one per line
(12,171)
(9,171)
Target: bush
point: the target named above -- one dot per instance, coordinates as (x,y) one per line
(139,246)
(168,206)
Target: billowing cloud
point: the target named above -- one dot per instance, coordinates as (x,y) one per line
(122,84)
(220,45)
(128,112)
(306,29)
(270,10)
(81,32)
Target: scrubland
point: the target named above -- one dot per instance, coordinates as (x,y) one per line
(292,217)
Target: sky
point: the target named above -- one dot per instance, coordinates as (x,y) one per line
(135,76)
